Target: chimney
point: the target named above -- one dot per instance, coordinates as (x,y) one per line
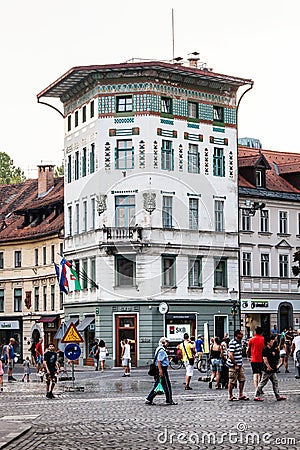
(45,178)
(193,59)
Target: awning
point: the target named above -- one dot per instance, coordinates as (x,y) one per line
(63,328)
(47,319)
(85,323)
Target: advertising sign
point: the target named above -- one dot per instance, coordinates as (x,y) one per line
(175,331)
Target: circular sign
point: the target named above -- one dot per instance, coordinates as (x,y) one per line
(72,352)
(163,308)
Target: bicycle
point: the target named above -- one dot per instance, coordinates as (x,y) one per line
(175,363)
(203,365)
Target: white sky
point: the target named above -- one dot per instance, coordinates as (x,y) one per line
(42,39)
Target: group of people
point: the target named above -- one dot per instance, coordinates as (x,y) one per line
(263,352)
(99,352)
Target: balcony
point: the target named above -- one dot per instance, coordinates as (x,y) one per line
(116,239)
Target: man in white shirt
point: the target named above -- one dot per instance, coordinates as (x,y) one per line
(126,358)
(295,350)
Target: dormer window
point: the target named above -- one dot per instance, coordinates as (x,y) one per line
(260,178)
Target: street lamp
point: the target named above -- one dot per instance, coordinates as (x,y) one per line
(234,310)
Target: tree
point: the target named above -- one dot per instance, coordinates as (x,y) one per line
(10,174)
(59,171)
(296,269)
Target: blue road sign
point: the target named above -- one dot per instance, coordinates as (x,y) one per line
(72,351)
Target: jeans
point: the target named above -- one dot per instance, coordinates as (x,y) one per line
(266,376)
(166,385)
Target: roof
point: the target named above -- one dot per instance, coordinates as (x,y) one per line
(279,163)
(18,201)
(89,74)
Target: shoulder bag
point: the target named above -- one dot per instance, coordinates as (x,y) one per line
(152,367)
(191,360)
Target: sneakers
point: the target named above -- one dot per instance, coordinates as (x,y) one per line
(279,399)
(258,399)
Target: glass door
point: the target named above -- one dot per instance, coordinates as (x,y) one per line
(126,329)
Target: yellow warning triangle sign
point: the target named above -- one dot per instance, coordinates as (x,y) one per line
(72,335)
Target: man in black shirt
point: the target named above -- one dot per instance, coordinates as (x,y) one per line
(269,371)
(51,366)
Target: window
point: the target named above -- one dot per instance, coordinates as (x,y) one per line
(193,159)
(45,298)
(1,300)
(93,213)
(167,212)
(36,298)
(92,271)
(221,273)
(84,272)
(169,271)
(44,256)
(17,300)
(92,109)
(166,105)
(69,123)
(264,265)
(195,272)
(259,178)
(36,256)
(18,258)
(76,174)
(1,260)
(69,169)
(76,118)
(52,253)
(193,213)
(125,210)
(193,110)
(218,163)
(264,221)
(52,297)
(246,264)
(83,168)
(284,266)
(92,158)
(124,104)
(246,220)
(125,270)
(83,114)
(167,155)
(219,215)
(70,220)
(124,157)
(84,216)
(218,113)
(61,248)
(77,218)
(283,225)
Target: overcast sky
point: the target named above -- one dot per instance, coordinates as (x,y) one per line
(42,39)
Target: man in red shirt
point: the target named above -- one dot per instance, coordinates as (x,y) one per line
(254,353)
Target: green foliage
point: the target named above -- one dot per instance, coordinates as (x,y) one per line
(9,174)
(59,171)
(296,269)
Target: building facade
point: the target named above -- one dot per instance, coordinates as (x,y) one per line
(31,215)
(269,187)
(151,200)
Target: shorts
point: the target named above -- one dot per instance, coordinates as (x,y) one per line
(256,367)
(10,364)
(39,359)
(216,365)
(189,370)
(51,377)
(236,375)
(125,362)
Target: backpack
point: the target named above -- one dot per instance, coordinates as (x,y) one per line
(4,354)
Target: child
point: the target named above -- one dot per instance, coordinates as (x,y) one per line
(26,365)
(1,376)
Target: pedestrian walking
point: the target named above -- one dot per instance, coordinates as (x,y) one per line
(269,371)
(216,355)
(103,353)
(95,354)
(33,353)
(255,353)
(283,354)
(126,358)
(39,358)
(199,343)
(236,368)
(295,352)
(1,376)
(52,368)
(10,353)
(26,366)
(188,352)
(161,366)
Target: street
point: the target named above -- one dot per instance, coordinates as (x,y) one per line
(111,414)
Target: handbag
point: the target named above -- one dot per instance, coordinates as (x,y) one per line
(159,390)
(107,352)
(152,367)
(191,360)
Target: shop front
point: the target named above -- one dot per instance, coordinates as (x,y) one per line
(10,328)
(50,326)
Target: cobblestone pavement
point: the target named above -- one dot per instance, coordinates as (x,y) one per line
(111,414)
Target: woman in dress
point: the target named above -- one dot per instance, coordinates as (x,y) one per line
(103,352)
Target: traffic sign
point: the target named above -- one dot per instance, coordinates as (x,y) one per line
(72,352)
(72,335)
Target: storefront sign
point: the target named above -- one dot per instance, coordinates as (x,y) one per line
(259,304)
(145,340)
(175,331)
(12,325)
